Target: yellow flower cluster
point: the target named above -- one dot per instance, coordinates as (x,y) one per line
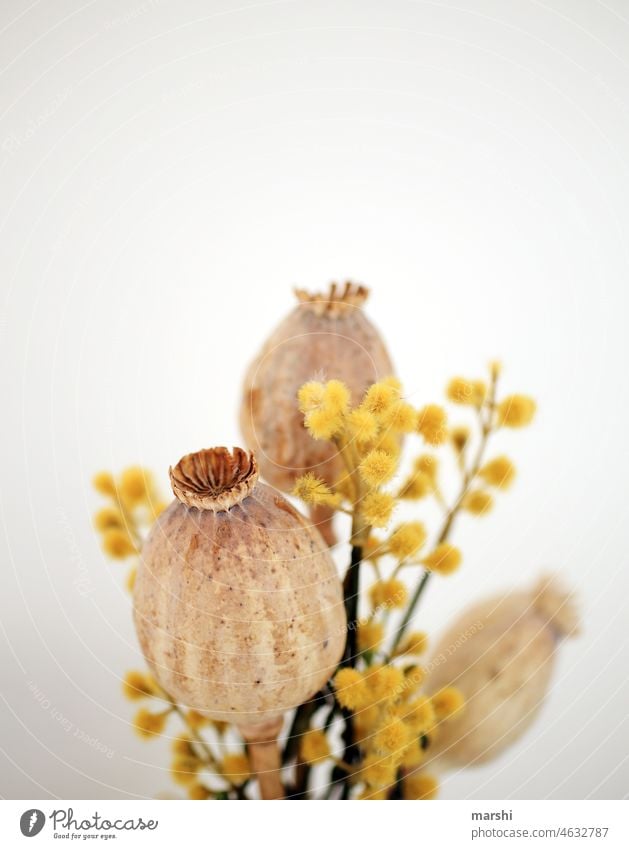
(314,747)
(236,768)
(390,720)
(139,685)
(460,390)
(368,438)
(134,506)
(149,724)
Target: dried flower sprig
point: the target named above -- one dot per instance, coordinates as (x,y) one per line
(377,699)
(134,503)
(367,438)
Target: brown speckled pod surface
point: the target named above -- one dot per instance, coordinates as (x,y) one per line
(501,654)
(324,337)
(237,603)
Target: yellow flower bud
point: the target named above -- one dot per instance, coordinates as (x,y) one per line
(314,747)
(389,593)
(407,539)
(134,484)
(108,518)
(478,502)
(370,636)
(499,472)
(445,559)
(103,482)
(118,544)
(138,685)
(236,768)
(377,508)
(432,424)
(516,411)
(149,724)
(420,786)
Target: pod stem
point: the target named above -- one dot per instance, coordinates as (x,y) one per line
(265,757)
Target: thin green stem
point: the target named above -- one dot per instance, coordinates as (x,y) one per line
(468,476)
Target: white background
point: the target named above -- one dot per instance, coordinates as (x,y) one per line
(168,170)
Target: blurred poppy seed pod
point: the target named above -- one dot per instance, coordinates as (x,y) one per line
(324,337)
(500,654)
(237,603)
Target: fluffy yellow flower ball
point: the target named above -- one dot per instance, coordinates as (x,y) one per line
(148,724)
(184,770)
(428,465)
(389,593)
(378,771)
(460,390)
(108,517)
(499,472)
(420,786)
(370,636)
(314,747)
(235,768)
(478,502)
(379,397)
(516,411)
(392,738)
(198,792)
(118,544)
(104,483)
(400,417)
(414,643)
(363,425)
(138,685)
(432,424)
(384,683)
(323,423)
(197,720)
(416,486)
(351,689)
(377,508)
(310,396)
(336,396)
(313,490)
(377,467)
(134,484)
(407,539)
(445,559)
(447,701)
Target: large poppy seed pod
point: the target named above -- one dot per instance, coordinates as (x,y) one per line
(324,337)
(237,603)
(501,654)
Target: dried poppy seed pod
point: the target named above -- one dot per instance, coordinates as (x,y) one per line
(500,653)
(237,603)
(326,336)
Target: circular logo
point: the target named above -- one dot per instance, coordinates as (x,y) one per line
(32,822)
